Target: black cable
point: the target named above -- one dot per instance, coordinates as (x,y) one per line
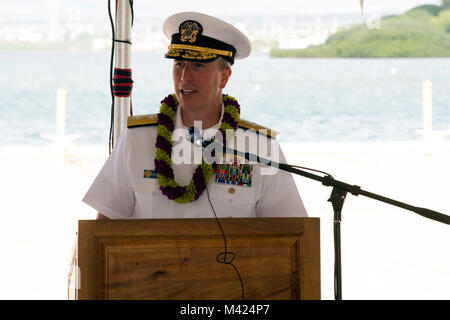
(111,125)
(225,252)
(132,12)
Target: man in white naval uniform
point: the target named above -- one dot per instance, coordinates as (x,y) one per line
(129,186)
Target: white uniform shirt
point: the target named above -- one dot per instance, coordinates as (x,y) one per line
(120,190)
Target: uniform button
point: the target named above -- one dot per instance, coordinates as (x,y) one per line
(230,201)
(231,190)
(154,193)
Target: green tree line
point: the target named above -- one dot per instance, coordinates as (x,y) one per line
(421,32)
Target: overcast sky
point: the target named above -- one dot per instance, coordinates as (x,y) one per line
(31,9)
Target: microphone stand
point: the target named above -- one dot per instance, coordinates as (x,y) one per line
(337,198)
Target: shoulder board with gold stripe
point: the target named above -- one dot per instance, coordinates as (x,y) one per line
(152,120)
(142,120)
(244,124)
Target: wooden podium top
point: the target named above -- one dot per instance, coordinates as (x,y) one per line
(277,258)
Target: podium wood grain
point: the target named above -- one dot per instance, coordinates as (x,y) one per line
(277,258)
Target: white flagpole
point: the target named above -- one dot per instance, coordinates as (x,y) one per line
(122,55)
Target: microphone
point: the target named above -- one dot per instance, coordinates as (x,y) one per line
(194,135)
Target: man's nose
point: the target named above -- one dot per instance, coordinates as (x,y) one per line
(186,73)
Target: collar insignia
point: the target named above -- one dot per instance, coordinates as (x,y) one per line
(189,30)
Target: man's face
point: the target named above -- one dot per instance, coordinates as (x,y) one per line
(198,85)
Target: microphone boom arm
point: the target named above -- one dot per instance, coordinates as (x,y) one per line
(329,181)
(337,198)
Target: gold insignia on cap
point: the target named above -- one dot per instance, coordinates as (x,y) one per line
(189,31)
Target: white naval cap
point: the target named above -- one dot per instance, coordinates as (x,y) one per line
(199,37)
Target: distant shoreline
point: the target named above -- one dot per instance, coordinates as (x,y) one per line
(18,50)
(423,31)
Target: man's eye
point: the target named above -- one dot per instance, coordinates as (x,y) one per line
(200,65)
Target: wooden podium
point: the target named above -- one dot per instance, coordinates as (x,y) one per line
(277,258)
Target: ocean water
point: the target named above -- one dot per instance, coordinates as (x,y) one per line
(304,99)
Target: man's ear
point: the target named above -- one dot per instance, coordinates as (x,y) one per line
(226,74)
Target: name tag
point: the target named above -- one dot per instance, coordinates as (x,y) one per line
(237,174)
(150,174)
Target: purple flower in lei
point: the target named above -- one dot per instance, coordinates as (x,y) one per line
(163,160)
